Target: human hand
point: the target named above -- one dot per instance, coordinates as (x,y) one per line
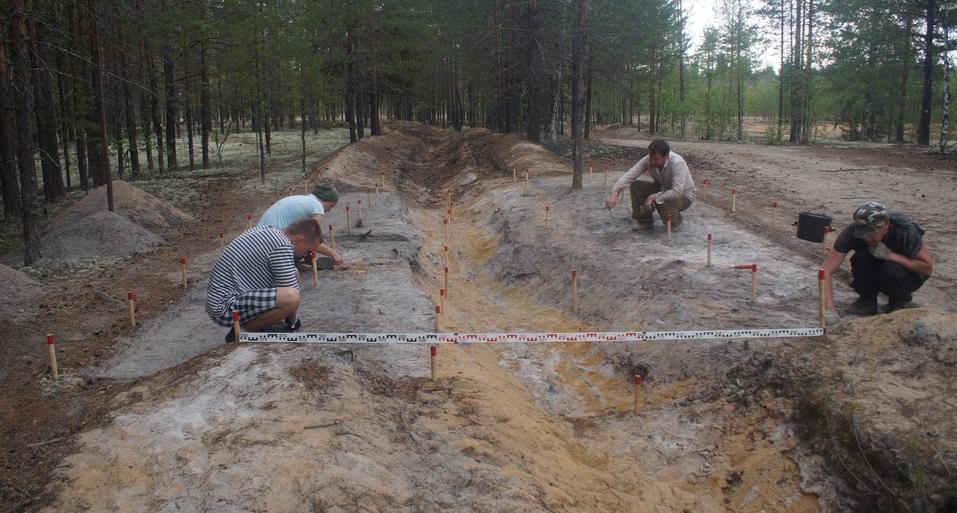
(650,202)
(879,250)
(336,258)
(611,201)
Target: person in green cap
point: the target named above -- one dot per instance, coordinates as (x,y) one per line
(293,208)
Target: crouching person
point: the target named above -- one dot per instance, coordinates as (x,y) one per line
(256,275)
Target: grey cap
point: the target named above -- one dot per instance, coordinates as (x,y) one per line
(326,193)
(868,219)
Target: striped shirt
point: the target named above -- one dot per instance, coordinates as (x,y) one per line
(260,258)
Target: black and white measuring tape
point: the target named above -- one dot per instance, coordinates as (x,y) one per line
(513,338)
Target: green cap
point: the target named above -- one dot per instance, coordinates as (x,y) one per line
(326,193)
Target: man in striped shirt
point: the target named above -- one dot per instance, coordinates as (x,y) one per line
(256,275)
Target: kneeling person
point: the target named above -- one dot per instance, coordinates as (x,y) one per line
(256,275)
(670,192)
(292,208)
(890,256)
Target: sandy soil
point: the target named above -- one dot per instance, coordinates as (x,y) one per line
(749,425)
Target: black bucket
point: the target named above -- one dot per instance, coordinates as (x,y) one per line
(811,226)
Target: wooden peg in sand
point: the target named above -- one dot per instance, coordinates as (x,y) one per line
(442,298)
(754,278)
(574,290)
(827,230)
(332,236)
(821,298)
(709,250)
(54,370)
(604,171)
(432,351)
(249,220)
(236,327)
(313,257)
(546,216)
(445,256)
(222,240)
(446,281)
(668,224)
(130,301)
(445,221)
(348,221)
(734,200)
(369,198)
(525,192)
(514,175)
(182,264)
(448,213)
(637,391)
(360,209)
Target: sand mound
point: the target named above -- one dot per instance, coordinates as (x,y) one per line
(130,202)
(16,289)
(98,235)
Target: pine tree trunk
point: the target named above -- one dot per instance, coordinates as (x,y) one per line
(188,109)
(204,109)
(45,109)
(808,73)
(579,49)
(780,134)
(100,102)
(8,159)
(588,95)
(64,88)
(796,70)
(904,76)
(533,71)
(351,85)
(681,70)
(21,85)
(172,120)
(945,112)
(257,111)
(923,126)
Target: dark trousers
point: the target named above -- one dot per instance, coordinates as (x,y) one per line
(640,190)
(873,275)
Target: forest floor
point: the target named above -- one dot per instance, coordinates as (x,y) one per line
(168,418)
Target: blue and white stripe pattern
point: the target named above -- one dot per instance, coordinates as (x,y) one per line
(260,258)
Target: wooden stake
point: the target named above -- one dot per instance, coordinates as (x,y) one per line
(315,269)
(754,282)
(442,298)
(754,278)
(446,281)
(369,198)
(827,230)
(360,209)
(383,179)
(236,326)
(332,237)
(514,175)
(525,192)
(637,391)
(668,223)
(348,221)
(182,263)
(709,250)
(591,170)
(249,220)
(432,351)
(445,221)
(130,299)
(734,200)
(546,216)
(377,191)
(449,212)
(574,290)
(445,256)
(604,171)
(222,240)
(821,298)
(54,370)
(774,213)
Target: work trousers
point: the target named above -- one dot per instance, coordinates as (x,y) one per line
(640,190)
(873,275)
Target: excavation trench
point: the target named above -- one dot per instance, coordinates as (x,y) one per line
(503,427)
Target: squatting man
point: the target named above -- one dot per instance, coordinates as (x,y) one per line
(256,275)
(671,190)
(890,257)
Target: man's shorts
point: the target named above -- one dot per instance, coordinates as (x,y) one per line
(251,304)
